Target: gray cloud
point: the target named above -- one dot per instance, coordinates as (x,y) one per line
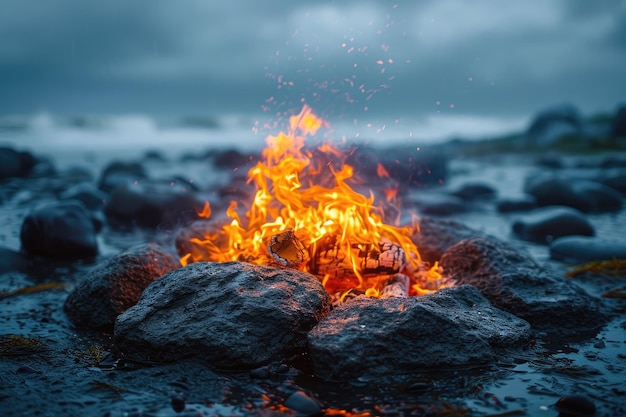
(487,57)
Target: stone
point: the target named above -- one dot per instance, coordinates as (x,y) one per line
(233,315)
(303,404)
(585,195)
(91,196)
(60,229)
(432,204)
(553,124)
(116,284)
(615,179)
(512,281)
(436,235)
(11,260)
(550,160)
(618,128)
(545,224)
(121,173)
(152,205)
(475,191)
(368,337)
(15,163)
(581,249)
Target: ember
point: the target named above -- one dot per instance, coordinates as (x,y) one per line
(305,215)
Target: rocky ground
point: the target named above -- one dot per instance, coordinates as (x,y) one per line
(99,319)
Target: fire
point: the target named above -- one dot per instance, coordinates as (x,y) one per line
(305,215)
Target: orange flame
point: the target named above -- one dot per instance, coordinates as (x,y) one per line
(309,195)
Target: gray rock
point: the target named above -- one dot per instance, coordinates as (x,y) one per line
(440,204)
(615,179)
(437,235)
(553,124)
(116,285)
(545,224)
(376,337)
(513,205)
(151,205)
(580,249)
(234,315)
(601,198)
(303,404)
(475,191)
(60,229)
(121,173)
(514,282)
(15,163)
(618,128)
(92,197)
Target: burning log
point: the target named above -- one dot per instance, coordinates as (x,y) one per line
(287,250)
(396,287)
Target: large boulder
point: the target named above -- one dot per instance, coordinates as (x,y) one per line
(581,249)
(60,229)
(116,285)
(514,282)
(377,337)
(234,315)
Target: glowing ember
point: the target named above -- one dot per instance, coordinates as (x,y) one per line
(305,215)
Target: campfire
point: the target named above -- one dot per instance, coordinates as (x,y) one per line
(306,215)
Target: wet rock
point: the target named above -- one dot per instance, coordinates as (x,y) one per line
(440,204)
(513,205)
(303,404)
(615,179)
(60,229)
(152,205)
(545,224)
(232,314)
(91,196)
(584,195)
(415,168)
(116,285)
(15,163)
(475,191)
(435,236)
(618,128)
(375,337)
(575,406)
(514,282)
(121,173)
(580,249)
(553,124)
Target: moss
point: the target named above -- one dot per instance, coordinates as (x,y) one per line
(613,267)
(92,356)
(15,345)
(33,289)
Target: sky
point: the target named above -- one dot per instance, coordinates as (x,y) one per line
(350,60)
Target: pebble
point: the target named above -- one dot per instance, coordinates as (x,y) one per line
(60,229)
(302,403)
(575,406)
(545,224)
(581,249)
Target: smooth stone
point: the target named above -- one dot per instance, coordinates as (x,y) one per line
(440,204)
(437,235)
(303,403)
(515,205)
(601,198)
(615,179)
(580,249)
(91,196)
(121,173)
(152,205)
(512,281)
(15,163)
(60,229)
(234,315)
(475,191)
(543,225)
(116,284)
(368,337)
(575,406)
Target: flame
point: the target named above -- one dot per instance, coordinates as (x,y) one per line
(307,193)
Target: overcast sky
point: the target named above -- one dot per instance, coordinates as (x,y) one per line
(495,58)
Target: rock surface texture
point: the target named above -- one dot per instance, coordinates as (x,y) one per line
(234,315)
(377,337)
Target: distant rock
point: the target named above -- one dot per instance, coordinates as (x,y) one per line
(152,205)
(581,249)
(507,205)
(233,315)
(545,224)
(116,284)
(380,337)
(615,179)
(91,196)
(15,163)
(232,158)
(60,229)
(585,195)
(436,235)
(475,191)
(618,128)
(415,168)
(553,124)
(436,204)
(550,160)
(121,174)
(512,281)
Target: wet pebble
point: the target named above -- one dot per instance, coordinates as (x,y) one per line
(580,249)
(475,191)
(60,229)
(262,372)
(575,406)
(545,224)
(92,197)
(513,205)
(304,404)
(177,401)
